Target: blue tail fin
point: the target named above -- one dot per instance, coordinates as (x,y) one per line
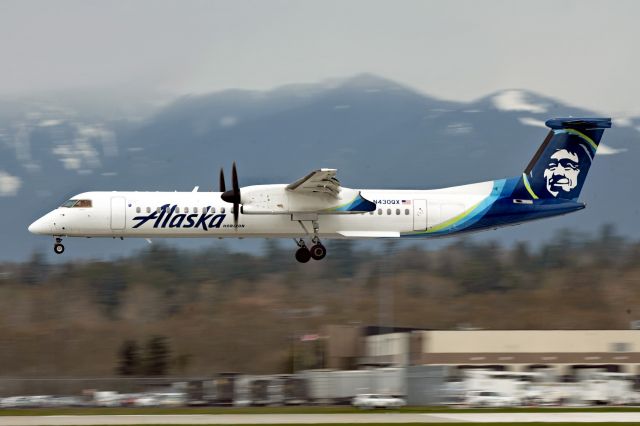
(560,166)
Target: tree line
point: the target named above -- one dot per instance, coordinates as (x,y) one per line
(165,310)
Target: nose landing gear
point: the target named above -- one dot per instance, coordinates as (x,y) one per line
(58,247)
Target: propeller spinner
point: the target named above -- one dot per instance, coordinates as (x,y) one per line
(233,195)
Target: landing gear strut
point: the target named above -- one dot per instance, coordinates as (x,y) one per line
(58,247)
(318,251)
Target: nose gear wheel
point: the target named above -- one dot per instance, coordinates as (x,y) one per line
(58,248)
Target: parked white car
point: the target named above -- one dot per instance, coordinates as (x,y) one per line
(107,399)
(171,399)
(14,402)
(370,400)
(490,399)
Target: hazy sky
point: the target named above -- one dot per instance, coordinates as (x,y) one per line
(584,52)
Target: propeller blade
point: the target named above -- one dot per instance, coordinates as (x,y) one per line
(236,212)
(234,179)
(222,185)
(236,192)
(233,195)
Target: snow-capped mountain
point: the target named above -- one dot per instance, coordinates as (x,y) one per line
(378,133)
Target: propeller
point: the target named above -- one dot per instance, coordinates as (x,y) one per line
(233,195)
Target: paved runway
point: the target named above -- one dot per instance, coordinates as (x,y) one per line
(213,419)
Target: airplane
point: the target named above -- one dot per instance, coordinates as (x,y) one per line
(317,206)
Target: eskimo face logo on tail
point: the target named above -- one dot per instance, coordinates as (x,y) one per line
(562,172)
(167,219)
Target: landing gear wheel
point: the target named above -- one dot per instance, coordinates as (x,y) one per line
(58,248)
(303,255)
(318,251)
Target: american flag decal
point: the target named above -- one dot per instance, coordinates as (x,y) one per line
(406,202)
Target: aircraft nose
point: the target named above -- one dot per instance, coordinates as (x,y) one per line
(40,226)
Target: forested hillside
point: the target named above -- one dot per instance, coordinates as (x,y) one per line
(214,310)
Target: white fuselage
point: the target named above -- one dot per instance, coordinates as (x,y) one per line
(318,206)
(204,214)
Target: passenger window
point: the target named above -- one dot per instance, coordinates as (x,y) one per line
(379,211)
(212,210)
(388,211)
(406,211)
(371,212)
(397,212)
(137,209)
(186,209)
(195,210)
(148,209)
(159,209)
(221,210)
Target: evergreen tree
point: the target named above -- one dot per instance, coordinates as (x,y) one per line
(157,356)
(109,288)
(36,270)
(129,359)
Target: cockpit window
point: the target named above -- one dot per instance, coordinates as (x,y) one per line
(77,203)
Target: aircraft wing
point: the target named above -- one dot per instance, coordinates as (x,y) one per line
(319,192)
(321,180)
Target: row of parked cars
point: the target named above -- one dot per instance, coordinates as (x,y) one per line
(165,399)
(99,399)
(37,401)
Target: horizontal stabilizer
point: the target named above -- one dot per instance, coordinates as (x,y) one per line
(579,123)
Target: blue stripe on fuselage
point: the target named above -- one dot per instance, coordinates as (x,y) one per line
(499,209)
(504,211)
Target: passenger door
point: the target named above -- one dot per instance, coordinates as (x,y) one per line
(419,215)
(118,213)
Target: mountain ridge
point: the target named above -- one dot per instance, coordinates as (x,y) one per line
(378,133)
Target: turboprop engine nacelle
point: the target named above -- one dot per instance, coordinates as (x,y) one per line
(276,199)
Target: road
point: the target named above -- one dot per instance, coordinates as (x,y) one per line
(212,419)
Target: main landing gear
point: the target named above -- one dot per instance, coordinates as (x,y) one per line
(58,247)
(316,252)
